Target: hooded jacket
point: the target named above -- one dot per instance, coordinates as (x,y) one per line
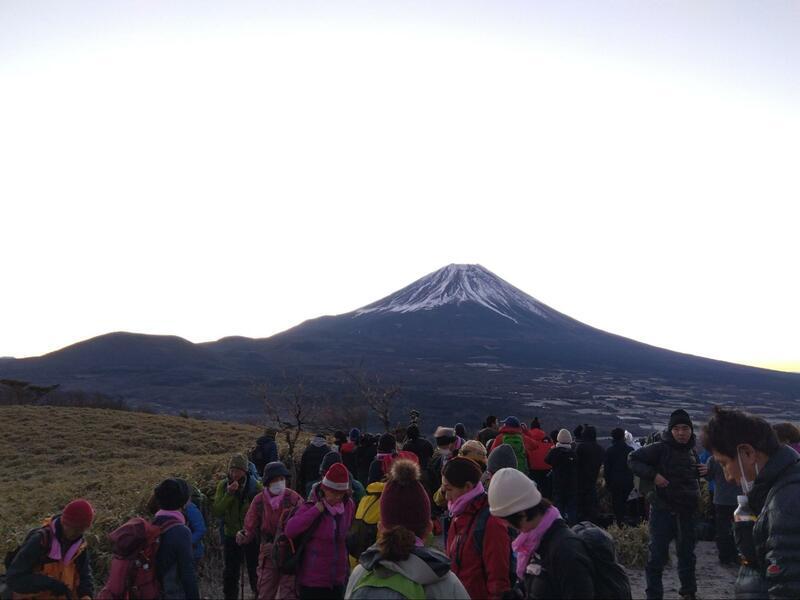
(348,452)
(310,462)
(539,449)
(678,464)
(324,563)
(564,473)
(232,508)
(590,456)
(424,566)
(775,497)
(616,471)
(422,448)
(485,574)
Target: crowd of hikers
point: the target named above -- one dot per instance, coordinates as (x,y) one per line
(512,513)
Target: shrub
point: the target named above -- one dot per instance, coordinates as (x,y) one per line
(631,544)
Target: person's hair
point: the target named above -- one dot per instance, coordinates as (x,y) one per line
(728,428)
(489,420)
(461,470)
(787,433)
(396,544)
(618,434)
(529,513)
(535,423)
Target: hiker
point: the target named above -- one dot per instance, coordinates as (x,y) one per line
(365,454)
(419,446)
(672,465)
(267,510)
(447,446)
(725,496)
(54,559)
(196,523)
(552,561)
(617,473)
(265,451)
(501,457)
(540,446)
(788,434)
(387,446)
(489,430)
(565,476)
(474,450)
(631,441)
(399,564)
(589,456)
(231,503)
(511,433)
(364,530)
(310,461)
(331,458)
(767,530)
(478,544)
(327,515)
(348,451)
(461,432)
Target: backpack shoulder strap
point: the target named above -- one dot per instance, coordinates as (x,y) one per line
(479,530)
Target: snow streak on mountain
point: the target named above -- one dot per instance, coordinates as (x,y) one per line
(456,284)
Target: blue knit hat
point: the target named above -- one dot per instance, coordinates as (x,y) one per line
(355,435)
(511,422)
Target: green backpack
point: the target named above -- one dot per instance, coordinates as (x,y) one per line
(393,587)
(517,443)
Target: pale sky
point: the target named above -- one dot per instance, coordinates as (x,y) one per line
(206,169)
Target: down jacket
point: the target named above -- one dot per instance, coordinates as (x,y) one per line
(775,497)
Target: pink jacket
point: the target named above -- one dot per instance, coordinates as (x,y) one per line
(325,556)
(261,522)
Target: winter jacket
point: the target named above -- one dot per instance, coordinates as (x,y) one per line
(424,566)
(348,452)
(564,473)
(486,435)
(310,462)
(678,464)
(35,569)
(197,525)
(268,450)
(484,573)
(232,508)
(725,493)
(422,448)
(617,473)
(365,454)
(775,497)
(175,563)
(539,449)
(590,456)
(563,565)
(261,521)
(324,562)
(527,443)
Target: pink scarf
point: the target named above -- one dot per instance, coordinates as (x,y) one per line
(457,506)
(418,542)
(274,501)
(528,543)
(172,514)
(334,509)
(55,547)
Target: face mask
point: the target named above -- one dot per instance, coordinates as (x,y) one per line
(277,487)
(746,485)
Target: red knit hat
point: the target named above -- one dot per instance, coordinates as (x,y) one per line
(404,502)
(337,478)
(78,514)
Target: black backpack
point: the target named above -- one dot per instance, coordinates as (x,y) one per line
(609,577)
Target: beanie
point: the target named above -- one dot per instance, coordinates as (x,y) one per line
(273,470)
(680,417)
(337,478)
(238,461)
(501,457)
(330,459)
(564,437)
(412,432)
(172,494)
(404,502)
(510,492)
(460,430)
(460,470)
(386,443)
(355,435)
(511,422)
(78,514)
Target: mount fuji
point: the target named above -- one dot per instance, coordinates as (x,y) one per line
(460,336)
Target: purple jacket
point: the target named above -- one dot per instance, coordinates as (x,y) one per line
(325,557)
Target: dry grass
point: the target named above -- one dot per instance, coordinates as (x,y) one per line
(50,455)
(631,544)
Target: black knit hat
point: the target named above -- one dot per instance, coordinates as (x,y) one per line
(460,470)
(273,470)
(387,443)
(331,458)
(680,417)
(172,494)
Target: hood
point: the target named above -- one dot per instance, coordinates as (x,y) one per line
(318,442)
(376,487)
(778,464)
(507,429)
(589,434)
(537,434)
(265,438)
(347,448)
(424,566)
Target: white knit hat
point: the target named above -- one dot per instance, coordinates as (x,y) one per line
(511,491)
(564,437)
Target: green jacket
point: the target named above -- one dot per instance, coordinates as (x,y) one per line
(232,508)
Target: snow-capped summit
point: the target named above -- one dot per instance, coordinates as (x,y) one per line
(457,284)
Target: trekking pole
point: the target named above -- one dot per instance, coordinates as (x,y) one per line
(241,575)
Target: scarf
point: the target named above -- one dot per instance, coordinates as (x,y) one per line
(55,552)
(334,509)
(418,542)
(527,543)
(274,501)
(172,514)
(457,506)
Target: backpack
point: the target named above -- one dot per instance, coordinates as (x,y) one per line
(200,500)
(478,533)
(364,530)
(256,455)
(393,587)
(5,591)
(609,577)
(518,444)
(133,570)
(287,553)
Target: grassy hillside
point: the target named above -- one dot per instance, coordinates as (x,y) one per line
(49,455)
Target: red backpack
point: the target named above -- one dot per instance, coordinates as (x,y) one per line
(133,567)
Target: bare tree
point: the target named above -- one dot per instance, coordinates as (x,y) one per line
(379,397)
